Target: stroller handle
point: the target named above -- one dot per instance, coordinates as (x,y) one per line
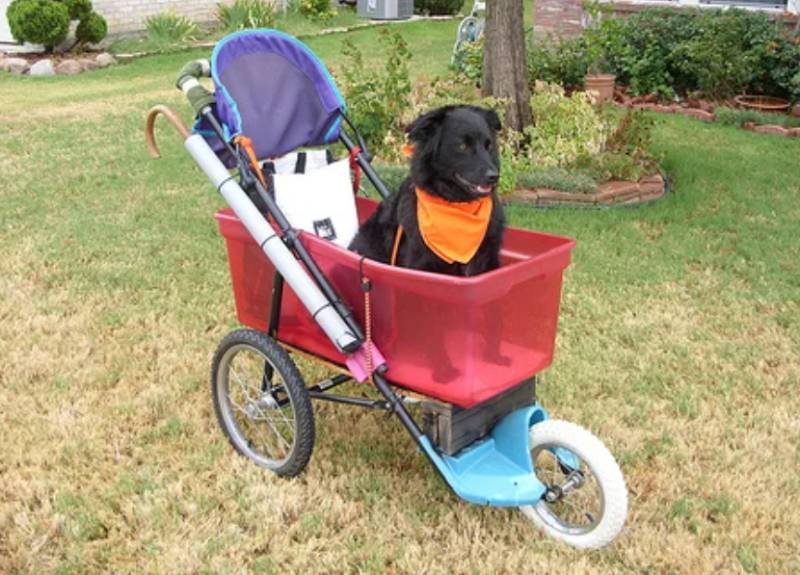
(189,83)
(149,130)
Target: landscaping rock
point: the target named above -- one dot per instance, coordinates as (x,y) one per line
(88,64)
(69,68)
(771,129)
(43,68)
(796,111)
(105,59)
(15,65)
(794,133)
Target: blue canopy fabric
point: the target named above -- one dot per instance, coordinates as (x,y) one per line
(273,89)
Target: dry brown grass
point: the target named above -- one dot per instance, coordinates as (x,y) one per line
(115,292)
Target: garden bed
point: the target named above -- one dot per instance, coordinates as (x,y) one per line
(55,64)
(759,122)
(612,193)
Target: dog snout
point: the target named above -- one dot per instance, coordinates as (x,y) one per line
(492,177)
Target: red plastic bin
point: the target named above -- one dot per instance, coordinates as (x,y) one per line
(460,340)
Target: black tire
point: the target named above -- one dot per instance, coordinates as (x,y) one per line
(274,410)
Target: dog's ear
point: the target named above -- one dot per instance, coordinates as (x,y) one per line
(491,117)
(426,126)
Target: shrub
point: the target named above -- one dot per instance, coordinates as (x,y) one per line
(625,155)
(91,29)
(565,127)
(38,21)
(438,7)
(469,61)
(378,100)
(170,28)
(78,9)
(317,9)
(720,52)
(246,14)
(564,63)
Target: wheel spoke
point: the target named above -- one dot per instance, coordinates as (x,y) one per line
(259,418)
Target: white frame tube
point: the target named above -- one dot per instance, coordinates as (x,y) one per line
(271,244)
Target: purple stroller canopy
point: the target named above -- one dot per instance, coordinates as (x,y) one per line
(273,89)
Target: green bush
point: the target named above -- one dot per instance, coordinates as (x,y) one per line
(438,7)
(564,63)
(565,127)
(246,14)
(625,155)
(38,21)
(469,60)
(78,9)
(719,52)
(170,28)
(317,9)
(645,51)
(378,100)
(91,29)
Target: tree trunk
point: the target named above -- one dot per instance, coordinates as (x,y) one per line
(505,73)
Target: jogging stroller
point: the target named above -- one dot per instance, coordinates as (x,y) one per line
(482,429)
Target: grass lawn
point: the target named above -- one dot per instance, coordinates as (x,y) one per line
(678,345)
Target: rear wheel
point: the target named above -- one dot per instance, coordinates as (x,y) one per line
(586,501)
(262,403)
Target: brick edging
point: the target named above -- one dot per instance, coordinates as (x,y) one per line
(706,116)
(613,193)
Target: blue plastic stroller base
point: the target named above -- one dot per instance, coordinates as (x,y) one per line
(496,470)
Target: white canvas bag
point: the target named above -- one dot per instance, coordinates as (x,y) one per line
(320,201)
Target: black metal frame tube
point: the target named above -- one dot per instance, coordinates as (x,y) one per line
(348,400)
(330,383)
(363,161)
(275,305)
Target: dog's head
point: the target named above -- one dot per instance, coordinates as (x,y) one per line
(455,152)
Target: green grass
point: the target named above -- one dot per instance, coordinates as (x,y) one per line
(739,117)
(678,346)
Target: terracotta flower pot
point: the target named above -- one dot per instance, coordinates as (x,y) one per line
(602,85)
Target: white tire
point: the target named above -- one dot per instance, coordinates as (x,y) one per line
(601,525)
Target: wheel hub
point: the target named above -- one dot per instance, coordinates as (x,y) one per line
(554,493)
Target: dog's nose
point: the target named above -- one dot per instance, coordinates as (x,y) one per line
(492,177)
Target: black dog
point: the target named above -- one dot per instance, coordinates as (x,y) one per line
(454,159)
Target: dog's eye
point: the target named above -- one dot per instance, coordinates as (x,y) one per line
(463,146)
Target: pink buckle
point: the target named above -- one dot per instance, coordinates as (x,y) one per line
(357,362)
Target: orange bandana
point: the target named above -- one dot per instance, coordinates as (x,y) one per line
(453,230)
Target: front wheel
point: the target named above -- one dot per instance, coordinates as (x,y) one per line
(586,501)
(262,403)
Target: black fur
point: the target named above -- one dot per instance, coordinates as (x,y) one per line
(455,152)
